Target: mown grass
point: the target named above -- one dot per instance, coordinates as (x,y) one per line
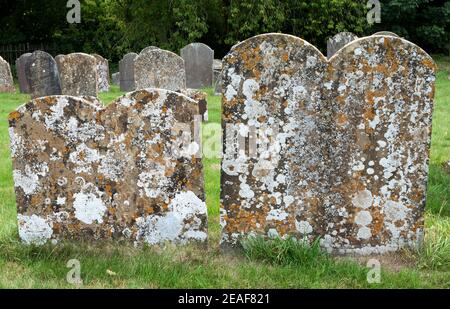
(261,264)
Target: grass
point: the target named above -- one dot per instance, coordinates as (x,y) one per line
(261,264)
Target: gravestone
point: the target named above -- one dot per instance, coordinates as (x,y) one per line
(202,100)
(218,85)
(147,49)
(42,75)
(78,74)
(386,33)
(198,61)
(336,149)
(6,80)
(102,73)
(159,69)
(338,41)
(116,78)
(125,171)
(126,68)
(21,75)
(217,70)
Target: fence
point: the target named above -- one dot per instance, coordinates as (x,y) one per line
(13,51)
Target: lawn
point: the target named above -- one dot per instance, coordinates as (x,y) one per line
(262,265)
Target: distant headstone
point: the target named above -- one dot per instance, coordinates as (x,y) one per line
(126,68)
(218,85)
(116,78)
(102,73)
(6,80)
(198,61)
(159,69)
(42,74)
(78,74)
(126,171)
(336,149)
(21,75)
(217,70)
(338,41)
(386,33)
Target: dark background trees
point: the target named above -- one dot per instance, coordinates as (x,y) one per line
(114,27)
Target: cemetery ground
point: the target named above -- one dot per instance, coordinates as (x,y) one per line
(262,264)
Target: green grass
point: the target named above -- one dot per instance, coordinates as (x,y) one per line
(261,264)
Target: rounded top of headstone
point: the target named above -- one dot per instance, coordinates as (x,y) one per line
(343,36)
(147,49)
(196,46)
(386,33)
(99,57)
(131,55)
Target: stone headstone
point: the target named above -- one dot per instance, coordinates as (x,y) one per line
(6,80)
(198,61)
(159,69)
(85,172)
(78,74)
(217,65)
(102,73)
(202,100)
(42,75)
(147,49)
(218,85)
(336,149)
(116,78)
(21,75)
(217,71)
(386,33)
(338,41)
(126,68)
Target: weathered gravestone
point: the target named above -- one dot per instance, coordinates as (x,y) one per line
(42,75)
(202,100)
(386,33)
(217,69)
(159,68)
(6,80)
(338,41)
(147,49)
(116,78)
(336,149)
(21,75)
(198,61)
(126,171)
(78,74)
(126,68)
(102,73)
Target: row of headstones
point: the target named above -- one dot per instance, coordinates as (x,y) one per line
(335,149)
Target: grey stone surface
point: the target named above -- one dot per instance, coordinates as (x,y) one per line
(159,69)
(217,65)
(336,149)
(21,75)
(102,73)
(42,75)
(147,49)
(125,171)
(198,61)
(338,41)
(78,74)
(126,68)
(6,79)
(116,78)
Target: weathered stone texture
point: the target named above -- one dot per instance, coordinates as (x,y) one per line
(21,75)
(342,145)
(126,68)
(102,73)
(125,171)
(202,100)
(159,68)
(386,33)
(198,61)
(115,78)
(6,80)
(78,74)
(147,49)
(338,41)
(42,75)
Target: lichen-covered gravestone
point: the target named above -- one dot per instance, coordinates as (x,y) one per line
(42,74)
(102,73)
(159,68)
(78,74)
(21,75)
(202,100)
(333,149)
(147,49)
(386,33)
(6,80)
(126,68)
(126,171)
(338,41)
(198,61)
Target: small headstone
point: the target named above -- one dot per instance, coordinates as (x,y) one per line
(78,74)
(116,78)
(126,171)
(102,73)
(338,41)
(42,74)
(159,69)
(198,61)
(126,68)
(386,33)
(201,98)
(217,65)
(6,79)
(21,75)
